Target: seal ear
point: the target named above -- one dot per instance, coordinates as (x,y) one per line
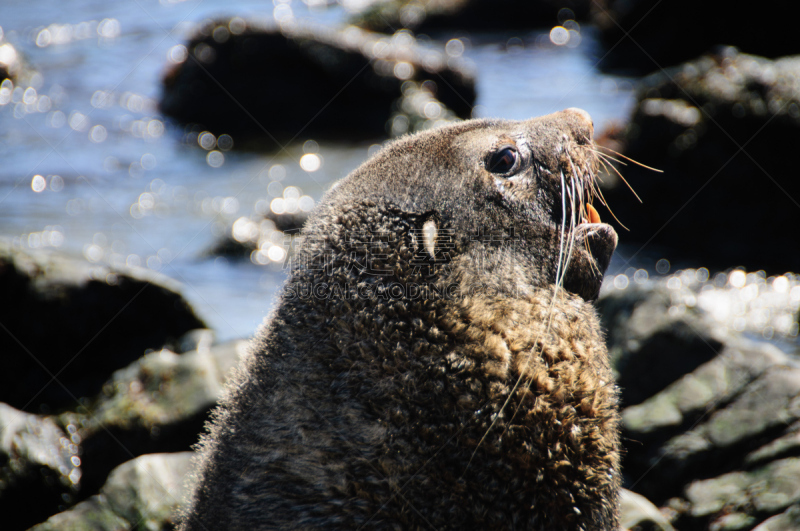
(429,234)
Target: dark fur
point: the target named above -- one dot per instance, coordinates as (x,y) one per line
(488,406)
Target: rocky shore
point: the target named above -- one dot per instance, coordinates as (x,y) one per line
(711,408)
(707,364)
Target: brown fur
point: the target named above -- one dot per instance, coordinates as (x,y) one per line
(477,395)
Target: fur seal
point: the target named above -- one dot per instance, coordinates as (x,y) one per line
(434,361)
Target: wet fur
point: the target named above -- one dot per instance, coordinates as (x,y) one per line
(488,406)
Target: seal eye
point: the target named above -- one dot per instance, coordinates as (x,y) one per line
(503,160)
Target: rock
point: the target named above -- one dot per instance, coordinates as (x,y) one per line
(159,403)
(38,461)
(789,520)
(272,84)
(418,109)
(722,130)
(253,237)
(716,445)
(288,222)
(649,348)
(699,315)
(637,512)
(719,441)
(686,400)
(229,247)
(784,446)
(767,490)
(143,493)
(67,325)
(198,339)
(472,15)
(643,37)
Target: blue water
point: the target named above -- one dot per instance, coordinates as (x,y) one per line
(116,182)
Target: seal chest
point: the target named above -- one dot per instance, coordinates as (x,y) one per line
(434,360)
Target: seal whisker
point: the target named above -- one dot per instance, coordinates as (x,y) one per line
(561,261)
(603,201)
(581,205)
(598,192)
(630,159)
(625,181)
(609,157)
(575,197)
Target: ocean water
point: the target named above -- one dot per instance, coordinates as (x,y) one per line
(88,166)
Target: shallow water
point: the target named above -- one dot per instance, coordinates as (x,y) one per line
(90,168)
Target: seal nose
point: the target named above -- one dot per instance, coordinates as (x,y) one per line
(583,118)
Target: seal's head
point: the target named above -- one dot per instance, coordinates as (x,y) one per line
(516,197)
(544,171)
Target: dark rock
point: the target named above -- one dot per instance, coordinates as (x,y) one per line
(737,500)
(718,445)
(275,83)
(712,385)
(251,237)
(720,440)
(789,520)
(230,247)
(722,128)
(143,493)
(418,109)
(723,315)
(649,348)
(39,468)
(66,325)
(288,222)
(198,339)
(637,512)
(472,15)
(159,403)
(784,446)
(642,36)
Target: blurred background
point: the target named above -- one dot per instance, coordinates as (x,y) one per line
(90,166)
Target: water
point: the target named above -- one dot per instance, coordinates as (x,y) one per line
(90,168)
